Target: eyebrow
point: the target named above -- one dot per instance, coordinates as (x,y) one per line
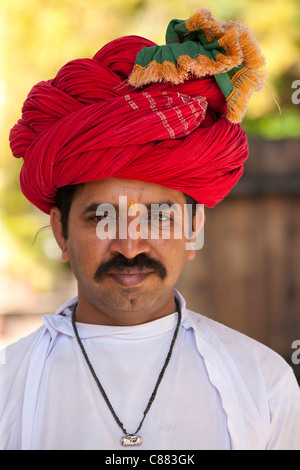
(94,205)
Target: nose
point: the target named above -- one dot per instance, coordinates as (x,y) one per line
(129,246)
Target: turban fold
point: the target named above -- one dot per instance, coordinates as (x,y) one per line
(162,114)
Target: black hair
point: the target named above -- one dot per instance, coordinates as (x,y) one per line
(66,194)
(63,201)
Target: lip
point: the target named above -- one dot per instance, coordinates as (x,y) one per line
(129,280)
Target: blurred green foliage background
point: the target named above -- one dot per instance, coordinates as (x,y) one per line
(37,37)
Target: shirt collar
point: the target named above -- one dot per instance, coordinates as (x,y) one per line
(60,323)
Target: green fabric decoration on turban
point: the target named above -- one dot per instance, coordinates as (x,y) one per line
(203,46)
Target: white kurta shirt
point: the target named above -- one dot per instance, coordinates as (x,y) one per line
(221,389)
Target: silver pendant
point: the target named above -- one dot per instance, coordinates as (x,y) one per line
(131,440)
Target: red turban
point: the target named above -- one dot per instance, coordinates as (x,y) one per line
(89,123)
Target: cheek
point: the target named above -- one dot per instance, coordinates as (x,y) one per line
(172,254)
(85,254)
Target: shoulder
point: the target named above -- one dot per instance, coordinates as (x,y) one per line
(18,351)
(253,380)
(252,359)
(17,354)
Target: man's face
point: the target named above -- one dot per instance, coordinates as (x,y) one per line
(123,280)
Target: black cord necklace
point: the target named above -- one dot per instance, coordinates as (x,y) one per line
(128,439)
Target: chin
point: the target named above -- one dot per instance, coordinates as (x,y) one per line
(127,299)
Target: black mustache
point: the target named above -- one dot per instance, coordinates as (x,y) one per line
(120,262)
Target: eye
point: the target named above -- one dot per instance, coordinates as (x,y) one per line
(164,217)
(160,216)
(98,218)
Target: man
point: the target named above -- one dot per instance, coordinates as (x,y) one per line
(141,129)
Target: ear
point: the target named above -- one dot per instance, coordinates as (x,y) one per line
(55,221)
(196,242)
